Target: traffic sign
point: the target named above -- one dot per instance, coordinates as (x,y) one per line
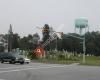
(39,52)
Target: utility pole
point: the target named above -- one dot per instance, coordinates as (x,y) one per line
(84,47)
(56,45)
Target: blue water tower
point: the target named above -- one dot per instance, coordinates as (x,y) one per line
(81,24)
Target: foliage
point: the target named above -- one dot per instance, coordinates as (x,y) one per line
(67,43)
(46,35)
(15,41)
(92,61)
(31,55)
(1,48)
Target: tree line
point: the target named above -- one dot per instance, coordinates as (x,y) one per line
(67,43)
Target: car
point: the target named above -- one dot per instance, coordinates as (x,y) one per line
(12,58)
(26,60)
(1,53)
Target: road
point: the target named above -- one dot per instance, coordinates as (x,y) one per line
(39,71)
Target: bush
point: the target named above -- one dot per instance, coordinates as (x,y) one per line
(61,57)
(32,55)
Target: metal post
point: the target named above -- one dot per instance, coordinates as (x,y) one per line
(56,45)
(84,50)
(84,47)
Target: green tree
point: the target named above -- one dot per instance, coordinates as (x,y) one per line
(1,49)
(46,35)
(15,41)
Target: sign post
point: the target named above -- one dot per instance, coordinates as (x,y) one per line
(39,52)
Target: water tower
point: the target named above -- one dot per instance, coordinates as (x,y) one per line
(81,25)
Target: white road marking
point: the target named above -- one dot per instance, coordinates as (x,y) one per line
(34,68)
(22,67)
(31,66)
(15,67)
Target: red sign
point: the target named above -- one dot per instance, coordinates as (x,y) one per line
(39,51)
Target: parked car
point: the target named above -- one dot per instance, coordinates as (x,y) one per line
(12,58)
(1,53)
(26,60)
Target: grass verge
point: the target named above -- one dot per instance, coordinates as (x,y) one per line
(55,61)
(92,61)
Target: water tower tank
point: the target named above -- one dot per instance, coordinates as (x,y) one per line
(81,23)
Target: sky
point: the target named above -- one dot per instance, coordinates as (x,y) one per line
(26,15)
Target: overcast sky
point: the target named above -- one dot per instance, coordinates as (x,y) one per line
(25,15)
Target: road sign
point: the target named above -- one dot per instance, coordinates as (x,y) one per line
(39,52)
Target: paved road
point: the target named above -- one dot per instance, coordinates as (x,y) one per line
(39,71)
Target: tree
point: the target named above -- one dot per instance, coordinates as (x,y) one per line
(29,42)
(93,43)
(35,40)
(46,35)
(15,41)
(10,38)
(70,43)
(24,43)
(1,48)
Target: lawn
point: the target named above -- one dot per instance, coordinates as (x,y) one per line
(92,61)
(55,61)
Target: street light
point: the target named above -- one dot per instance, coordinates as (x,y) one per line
(84,47)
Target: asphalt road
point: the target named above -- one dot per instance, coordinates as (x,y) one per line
(39,71)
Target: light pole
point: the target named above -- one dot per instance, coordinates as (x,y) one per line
(84,47)
(56,43)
